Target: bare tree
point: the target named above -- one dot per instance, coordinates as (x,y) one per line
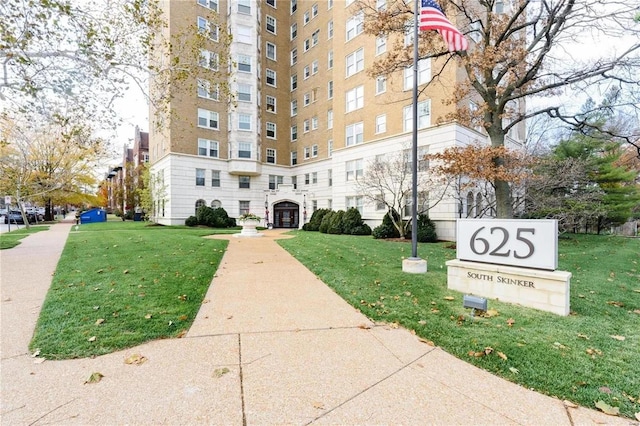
(387,182)
(520,50)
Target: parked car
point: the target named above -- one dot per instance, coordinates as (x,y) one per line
(14,216)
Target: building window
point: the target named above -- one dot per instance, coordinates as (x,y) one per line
(381,45)
(314,150)
(314,123)
(294,133)
(271,130)
(314,10)
(270,77)
(307,153)
(354,169)
(330,30)
(200,177)
(314,67)
(207,91)
(271,24)
(330,119)
(294,159)
(207,148)
(243,207)
(306,179)
(294,82)
(329,147)
(210,4)
(356,202)
(294,108)
(305,127)
(330,59)
(215,178)
(244,121)
(306,45)
(244,63)
(314,178)
(274,181)
(330,177)
(207,119)
(244,182)
(306,17)
(355,62)
(424,74)
(306,99)
(330,89)
(242,34)
(209,60)
(381,123)
(205,28)
(314,205)
(381,84)
(244,7)
(271,3)
(271,156)
(200,203)
(294,31)
(424,115)
(315,37)
(354,134)
(294,56)
(271,51)
(244,149)
(294,6)
(306,73)
(294,182)
(355,25)
(244,92)
(355,98)
(271,103)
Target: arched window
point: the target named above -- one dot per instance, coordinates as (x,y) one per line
(200,203)
(478,205)
(216,204)
(470,204)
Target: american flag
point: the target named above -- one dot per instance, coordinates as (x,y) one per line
(432,18)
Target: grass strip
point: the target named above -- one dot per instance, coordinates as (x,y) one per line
(11,239)
(119,284)
(592,355)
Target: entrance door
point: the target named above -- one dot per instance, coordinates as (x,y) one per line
(286,215)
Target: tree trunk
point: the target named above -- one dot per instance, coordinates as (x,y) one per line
(504,205)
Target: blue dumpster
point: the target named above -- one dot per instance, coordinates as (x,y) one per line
(93,216)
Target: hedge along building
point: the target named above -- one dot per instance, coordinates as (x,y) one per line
(306,121)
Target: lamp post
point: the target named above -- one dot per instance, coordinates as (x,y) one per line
(266,210)
(304,208)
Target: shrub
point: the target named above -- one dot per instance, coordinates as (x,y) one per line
(326,219)
(386,229)
(426,230)
(336,223)
(316,220)
(204,214)
(352,223)
(214,218)
(191,221)
(363,229)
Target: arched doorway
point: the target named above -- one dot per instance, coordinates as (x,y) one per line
(286,215)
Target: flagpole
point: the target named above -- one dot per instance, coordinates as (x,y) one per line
(414,147)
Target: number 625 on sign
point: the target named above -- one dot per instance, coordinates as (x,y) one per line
(526,243)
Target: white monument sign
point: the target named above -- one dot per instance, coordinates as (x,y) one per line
(515,242)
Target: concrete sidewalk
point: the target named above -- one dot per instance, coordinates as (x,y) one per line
(271,345)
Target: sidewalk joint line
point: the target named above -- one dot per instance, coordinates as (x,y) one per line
(368,388)
(244,416)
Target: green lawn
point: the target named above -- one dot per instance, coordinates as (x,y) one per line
(119,284)
(591,355)
(11,239)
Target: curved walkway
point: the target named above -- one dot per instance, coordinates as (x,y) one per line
(271,345)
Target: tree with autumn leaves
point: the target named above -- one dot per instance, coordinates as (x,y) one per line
(519,50)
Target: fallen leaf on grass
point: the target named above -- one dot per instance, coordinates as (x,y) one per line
(428,342)
(501,355)
(637,415)
(92,339)
(135,359)
(569,404)
(219,372)
(614,303)
(148,316)
(449,298)
(39,360)
(604,389)
(607,409)
(514,370)
(636,311)
(583,336)
(620,338)
(593,352)
(99,321)
(183,317)
(182,334)
(510,322)
(94,378)
(36,353)
(126,271)
(491,313)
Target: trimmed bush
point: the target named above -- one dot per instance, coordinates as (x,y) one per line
(316,220)
(426,230)
(214,218)
(352,223)
(191,221)
(326,219)
(386,229)
(336,223)
(363,229)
